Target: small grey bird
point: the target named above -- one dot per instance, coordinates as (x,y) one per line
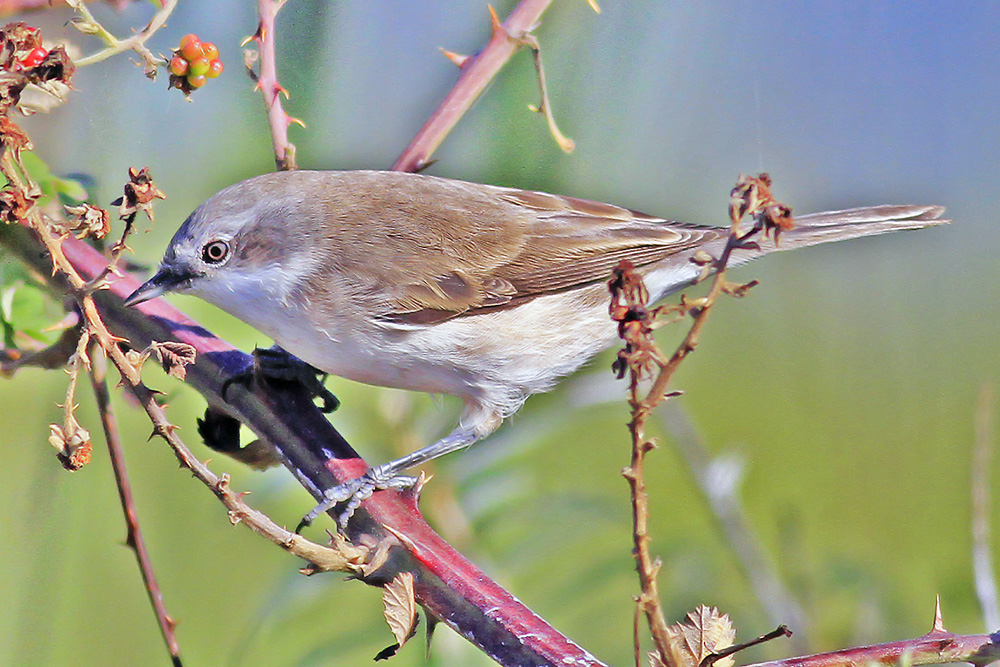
(487,293)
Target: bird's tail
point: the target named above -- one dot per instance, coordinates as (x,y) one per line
(817,228)
(812,229)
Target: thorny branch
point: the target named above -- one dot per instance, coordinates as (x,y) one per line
(640,357)
(936,647)
(477,72)
(266,81)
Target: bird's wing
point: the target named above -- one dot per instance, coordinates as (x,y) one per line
(530,244)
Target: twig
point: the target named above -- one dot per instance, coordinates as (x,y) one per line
(136,42)
(134,539)
(982,552)
(780,631)
(8,7)
(750,196)
(477,72)
(267,83)
(544,106)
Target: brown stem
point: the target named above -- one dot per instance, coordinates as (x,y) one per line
(646,564)
(134,539)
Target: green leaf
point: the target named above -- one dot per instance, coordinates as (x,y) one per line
(67,190)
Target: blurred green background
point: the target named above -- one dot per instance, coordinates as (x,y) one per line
(845,384)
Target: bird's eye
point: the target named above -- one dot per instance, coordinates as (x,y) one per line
(215,252)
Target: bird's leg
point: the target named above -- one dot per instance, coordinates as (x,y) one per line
(387,476)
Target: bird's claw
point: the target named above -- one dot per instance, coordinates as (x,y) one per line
(276,364)
(354,492)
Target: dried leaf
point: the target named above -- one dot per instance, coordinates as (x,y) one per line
(400,611)
(705,631)
(174,357)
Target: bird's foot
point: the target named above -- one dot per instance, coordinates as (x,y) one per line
(276,364)
(351,494)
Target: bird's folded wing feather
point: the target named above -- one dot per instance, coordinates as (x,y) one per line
(550,244)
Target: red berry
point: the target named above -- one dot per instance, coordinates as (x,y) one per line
(187,39)
(36,56)
(214,69)
(178,66)
(198,67)
(192,50)
(196,81)
(210,50)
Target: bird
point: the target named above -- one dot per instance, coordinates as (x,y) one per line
(430,284)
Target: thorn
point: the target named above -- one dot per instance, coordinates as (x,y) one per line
(593,5)
(68,322)
(407,542)
(456,58)
(421,482)
(259,32)
(938,621)
(296,121)
(495,26)
(278,88)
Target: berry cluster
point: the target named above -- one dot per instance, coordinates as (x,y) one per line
(194,63)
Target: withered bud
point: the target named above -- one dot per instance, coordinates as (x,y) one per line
(56,66)
(14,206)
(86,220)
(140,192)
(16,40)
(72,444)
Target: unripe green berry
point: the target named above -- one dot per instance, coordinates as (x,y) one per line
(198,66)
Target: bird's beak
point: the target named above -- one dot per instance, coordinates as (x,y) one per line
(165,280)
